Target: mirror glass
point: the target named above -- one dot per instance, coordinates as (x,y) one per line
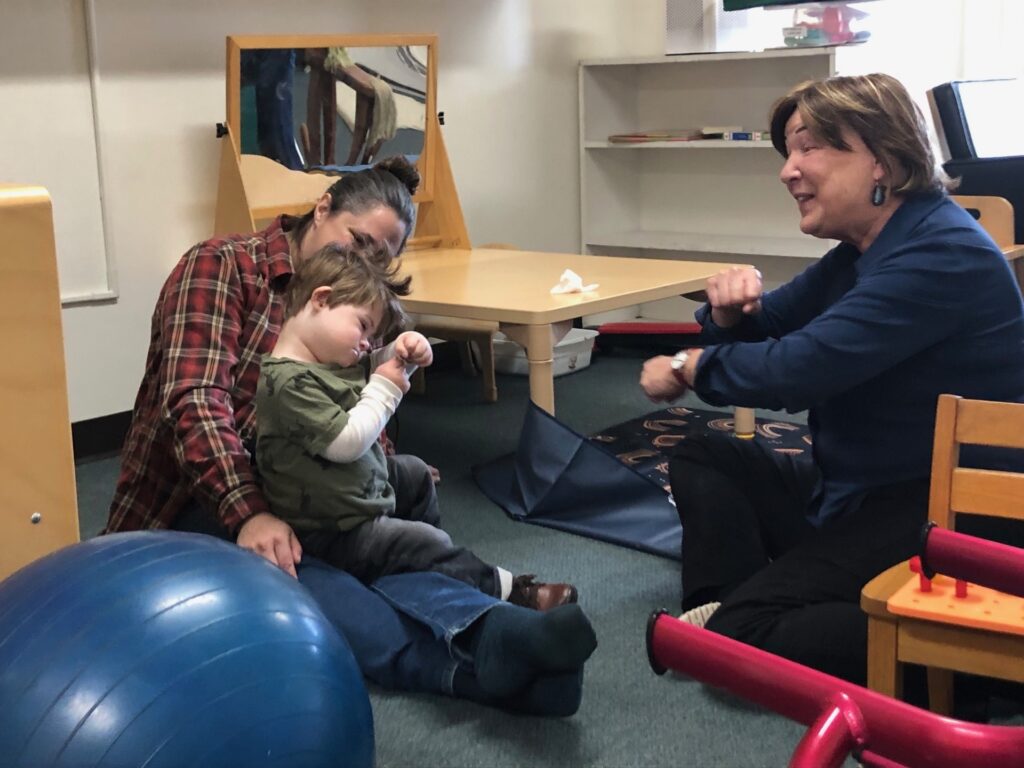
(333,109)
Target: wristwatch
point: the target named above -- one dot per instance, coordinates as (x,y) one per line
(679,360)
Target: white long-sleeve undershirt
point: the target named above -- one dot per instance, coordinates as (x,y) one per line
(367,419)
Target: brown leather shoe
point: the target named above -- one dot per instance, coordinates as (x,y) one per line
(540,596)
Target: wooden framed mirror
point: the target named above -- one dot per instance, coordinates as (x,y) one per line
(304,109)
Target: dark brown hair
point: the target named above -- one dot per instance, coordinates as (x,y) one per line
(359,275)
(880,111)
(391,182)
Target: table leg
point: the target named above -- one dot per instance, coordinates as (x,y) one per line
(539,342)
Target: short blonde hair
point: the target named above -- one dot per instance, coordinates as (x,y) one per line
(880,111)
(358,275)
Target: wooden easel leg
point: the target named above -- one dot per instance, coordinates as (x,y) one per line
(442,217)
(233,213)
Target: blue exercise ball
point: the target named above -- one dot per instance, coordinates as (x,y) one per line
(162,649)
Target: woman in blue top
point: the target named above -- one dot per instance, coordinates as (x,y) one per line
(916,300)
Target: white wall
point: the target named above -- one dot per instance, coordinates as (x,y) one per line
(507,85)
(47,131)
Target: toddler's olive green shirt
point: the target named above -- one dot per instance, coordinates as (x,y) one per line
(300,409)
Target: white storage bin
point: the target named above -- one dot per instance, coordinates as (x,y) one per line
(572,353)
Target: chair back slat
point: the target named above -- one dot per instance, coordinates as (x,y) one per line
(980,422)
(956,489)
(987,492)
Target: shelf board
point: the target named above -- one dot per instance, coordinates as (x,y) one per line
(715,56)
(700,144)
(698,242)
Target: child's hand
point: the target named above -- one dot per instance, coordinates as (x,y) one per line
(394,371)
(413,347)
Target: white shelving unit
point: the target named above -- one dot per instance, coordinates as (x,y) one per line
(707,200)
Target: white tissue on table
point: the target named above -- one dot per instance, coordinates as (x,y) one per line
(570,282)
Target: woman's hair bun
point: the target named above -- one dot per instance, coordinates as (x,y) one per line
(401,169)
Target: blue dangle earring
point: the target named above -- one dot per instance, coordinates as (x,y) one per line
(878,195)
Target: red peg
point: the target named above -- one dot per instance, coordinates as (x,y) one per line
(961,588)
(924,582)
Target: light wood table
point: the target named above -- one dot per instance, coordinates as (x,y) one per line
(514,289)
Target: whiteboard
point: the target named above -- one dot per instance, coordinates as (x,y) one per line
(47,134)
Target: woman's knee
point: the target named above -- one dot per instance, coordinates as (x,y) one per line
(701,450)
(698,474)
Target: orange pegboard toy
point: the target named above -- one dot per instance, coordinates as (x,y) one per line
(939,599)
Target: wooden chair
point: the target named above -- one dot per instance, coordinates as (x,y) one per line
(995,214)
(943,648)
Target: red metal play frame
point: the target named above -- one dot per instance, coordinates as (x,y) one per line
(846,719)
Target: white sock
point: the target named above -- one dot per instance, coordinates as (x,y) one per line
(699,616)
(505,581)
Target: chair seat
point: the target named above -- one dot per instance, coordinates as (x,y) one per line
(874,598)
(948,646)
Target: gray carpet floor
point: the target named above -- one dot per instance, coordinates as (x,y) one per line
(629,716)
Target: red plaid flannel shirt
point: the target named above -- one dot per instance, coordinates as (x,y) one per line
(218,313)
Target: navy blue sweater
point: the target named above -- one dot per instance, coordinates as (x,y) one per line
(866,342)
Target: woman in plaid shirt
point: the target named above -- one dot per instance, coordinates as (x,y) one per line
(186,465)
